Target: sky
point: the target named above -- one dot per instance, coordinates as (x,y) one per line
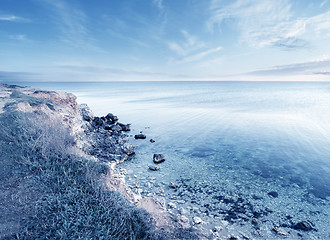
(164,40)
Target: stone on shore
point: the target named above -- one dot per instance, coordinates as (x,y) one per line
(158,158)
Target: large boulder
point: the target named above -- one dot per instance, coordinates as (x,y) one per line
(111,118)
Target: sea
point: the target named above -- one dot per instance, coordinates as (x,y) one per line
(251,159)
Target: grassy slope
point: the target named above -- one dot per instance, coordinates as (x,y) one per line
(48,193)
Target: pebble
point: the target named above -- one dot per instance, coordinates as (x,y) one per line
(279,231)
(197,220)
(173,185)
(160,190)
(184,219)
(153,168)
(171,205)
(182,210)
(217,229)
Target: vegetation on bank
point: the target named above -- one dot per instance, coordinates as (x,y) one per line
(54,192)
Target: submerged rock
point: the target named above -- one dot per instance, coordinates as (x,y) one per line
(304,225)
(153,168)
(279,231)
(173,185)
(159,158)
(273,194)
(140,136)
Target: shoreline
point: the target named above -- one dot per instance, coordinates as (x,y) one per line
(98,139)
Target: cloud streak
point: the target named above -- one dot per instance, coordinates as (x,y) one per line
(199,56)
(268,23)
(72,23)
(13,18)
(321,66)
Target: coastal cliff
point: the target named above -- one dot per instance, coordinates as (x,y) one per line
(60,177)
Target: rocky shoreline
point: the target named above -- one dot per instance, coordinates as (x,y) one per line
(100,139)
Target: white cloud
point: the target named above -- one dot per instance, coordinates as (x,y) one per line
(265,23)
(13,18)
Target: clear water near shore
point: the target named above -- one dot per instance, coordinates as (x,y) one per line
(228,145)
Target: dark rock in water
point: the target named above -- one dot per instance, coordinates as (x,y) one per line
(153,168)
(173,185)
(273,194)
(125,127)
(159,158)
(140,136)
(112,118)
(152,141)
(304,225)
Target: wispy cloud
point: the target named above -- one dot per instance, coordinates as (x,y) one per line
(13,18)
(189,44)
(318,66)
(266,23)
(72,22)
(323,3)
(18,37)
(158,4)
(198,56)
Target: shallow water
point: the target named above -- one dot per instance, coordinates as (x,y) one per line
(228,145)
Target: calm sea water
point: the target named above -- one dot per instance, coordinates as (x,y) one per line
(230,146)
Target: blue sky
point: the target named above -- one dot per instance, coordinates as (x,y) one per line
(128,40)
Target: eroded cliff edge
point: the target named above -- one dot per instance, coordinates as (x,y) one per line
(101,141)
